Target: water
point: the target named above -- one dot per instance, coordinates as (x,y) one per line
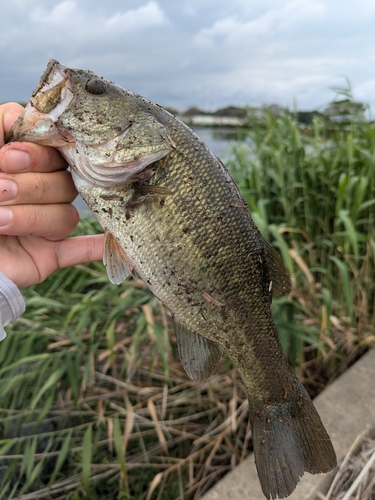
(218,140)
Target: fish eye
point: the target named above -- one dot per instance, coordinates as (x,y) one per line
(95,86)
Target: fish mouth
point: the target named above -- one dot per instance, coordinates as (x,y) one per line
(49,100)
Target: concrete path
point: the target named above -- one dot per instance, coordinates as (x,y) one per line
(347,409)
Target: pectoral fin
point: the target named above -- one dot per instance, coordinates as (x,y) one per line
(199,356)
(151,191)
(144,192)
(116,260)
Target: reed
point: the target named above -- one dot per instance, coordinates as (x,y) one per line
(311,191)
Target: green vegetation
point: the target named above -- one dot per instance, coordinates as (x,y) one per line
(94,403)
(311,192)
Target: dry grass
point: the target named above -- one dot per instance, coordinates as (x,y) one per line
(355,478)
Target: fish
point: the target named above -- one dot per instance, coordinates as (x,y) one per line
(172,215)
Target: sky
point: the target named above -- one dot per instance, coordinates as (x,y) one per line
(205,53)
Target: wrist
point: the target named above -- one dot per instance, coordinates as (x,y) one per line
(12,304)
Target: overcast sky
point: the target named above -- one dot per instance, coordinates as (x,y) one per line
(209,53)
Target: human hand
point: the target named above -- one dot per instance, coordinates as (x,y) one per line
(36,215)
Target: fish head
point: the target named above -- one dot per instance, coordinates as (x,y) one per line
(104,133)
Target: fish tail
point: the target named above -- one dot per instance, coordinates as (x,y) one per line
(289,439)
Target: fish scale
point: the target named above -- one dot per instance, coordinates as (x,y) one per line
(172,214)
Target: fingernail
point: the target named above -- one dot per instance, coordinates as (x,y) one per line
(8,190)
(15,160)
(6,216)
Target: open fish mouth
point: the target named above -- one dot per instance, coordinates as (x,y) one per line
(49,100)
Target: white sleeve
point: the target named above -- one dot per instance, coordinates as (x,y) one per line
(12,304)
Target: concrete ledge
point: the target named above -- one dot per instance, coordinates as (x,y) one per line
(347,409)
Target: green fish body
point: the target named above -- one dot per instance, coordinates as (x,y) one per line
(172,214)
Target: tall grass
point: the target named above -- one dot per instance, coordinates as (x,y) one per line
(311,191)
(94,402)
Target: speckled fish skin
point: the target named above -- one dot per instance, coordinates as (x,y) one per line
(181,224)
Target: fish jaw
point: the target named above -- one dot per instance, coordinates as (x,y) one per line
(35,127)
(38,122)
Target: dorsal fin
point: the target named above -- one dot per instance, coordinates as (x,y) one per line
(199,356)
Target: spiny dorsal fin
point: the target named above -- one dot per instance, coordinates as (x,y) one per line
(115,260)
(199,356)
(279,275)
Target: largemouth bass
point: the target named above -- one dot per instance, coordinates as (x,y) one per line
(172,214)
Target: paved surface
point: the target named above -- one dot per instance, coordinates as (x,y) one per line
(347,408)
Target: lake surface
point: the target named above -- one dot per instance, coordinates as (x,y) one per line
(217,139)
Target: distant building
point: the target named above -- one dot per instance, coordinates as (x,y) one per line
(211,120)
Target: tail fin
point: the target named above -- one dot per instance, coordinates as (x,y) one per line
(289,439)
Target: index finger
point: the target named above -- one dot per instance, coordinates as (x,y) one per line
(19,157)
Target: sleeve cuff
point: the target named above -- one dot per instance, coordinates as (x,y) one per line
(12,304)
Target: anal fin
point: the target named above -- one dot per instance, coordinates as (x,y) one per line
(199,356)
(116,260)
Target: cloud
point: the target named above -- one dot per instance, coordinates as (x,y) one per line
(209,54)
(292,16)
(148,15)
(96,20)
(82,32)
(59,14)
